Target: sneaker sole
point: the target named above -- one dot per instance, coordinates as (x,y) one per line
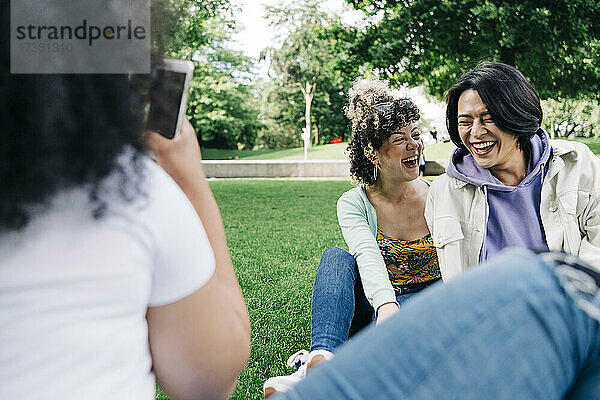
(268,392)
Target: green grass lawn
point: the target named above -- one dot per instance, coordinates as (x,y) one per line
(593,143)
(276,231)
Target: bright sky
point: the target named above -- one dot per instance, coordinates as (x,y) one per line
(257,34)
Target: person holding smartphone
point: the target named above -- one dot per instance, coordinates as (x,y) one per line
(114,271)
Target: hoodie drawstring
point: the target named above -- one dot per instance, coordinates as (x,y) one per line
(483,252)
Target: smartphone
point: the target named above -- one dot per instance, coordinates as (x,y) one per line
(168,97)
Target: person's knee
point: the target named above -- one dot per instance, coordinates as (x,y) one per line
(338,254)
(337,259)
(520,265)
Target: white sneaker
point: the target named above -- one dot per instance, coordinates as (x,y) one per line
(302,360)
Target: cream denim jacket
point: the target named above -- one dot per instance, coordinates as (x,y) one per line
(569,209)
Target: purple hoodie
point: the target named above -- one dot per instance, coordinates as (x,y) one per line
(513,212)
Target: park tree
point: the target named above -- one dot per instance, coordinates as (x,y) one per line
(328,105)
(556,44)
(303,61)
(222,104)
(568,117)
(283,111)
(182,24)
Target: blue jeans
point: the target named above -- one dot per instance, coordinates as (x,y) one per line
(339,308)
(504,330)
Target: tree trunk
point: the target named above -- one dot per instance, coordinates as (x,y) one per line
(308,96)
(316,133)
(572,130)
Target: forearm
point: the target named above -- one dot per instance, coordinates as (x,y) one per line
(373,274)
(181,159)
(196,188)
(363,247)
(385,311)
(199,344)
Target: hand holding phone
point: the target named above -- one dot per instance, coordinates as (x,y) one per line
(180,157)
(168,97)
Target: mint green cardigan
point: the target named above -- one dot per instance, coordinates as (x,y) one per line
(358,221)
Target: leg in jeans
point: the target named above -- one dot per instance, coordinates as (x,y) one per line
(338,306)
(504,330)
(403,298)
(363,312)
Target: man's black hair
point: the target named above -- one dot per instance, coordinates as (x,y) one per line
(510,99)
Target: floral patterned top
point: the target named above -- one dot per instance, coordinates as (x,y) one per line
(409,262)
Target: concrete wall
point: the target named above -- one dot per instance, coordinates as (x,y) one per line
(290,169)
(275,168)
(435,167)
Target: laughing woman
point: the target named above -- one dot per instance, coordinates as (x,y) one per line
(391,254)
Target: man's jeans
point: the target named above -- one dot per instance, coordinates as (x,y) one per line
(503,330)
(339,308)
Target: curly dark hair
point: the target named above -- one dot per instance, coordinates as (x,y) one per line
(375,111)
(63,131)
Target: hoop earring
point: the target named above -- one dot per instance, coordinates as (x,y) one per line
(375,172)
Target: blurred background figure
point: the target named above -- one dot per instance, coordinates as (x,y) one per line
(114,271)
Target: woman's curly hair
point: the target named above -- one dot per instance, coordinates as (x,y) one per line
(63,131)
(375,111)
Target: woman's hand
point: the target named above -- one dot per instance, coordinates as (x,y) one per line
(179,156)
(385,311)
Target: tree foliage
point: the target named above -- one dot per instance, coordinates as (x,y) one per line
(284,112)
(298,61)
(303,67)
(554,43)
(182,23)
(572,117)
(222,105)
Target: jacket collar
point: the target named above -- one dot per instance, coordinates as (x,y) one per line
(561,152)
(561,148)
(457,183)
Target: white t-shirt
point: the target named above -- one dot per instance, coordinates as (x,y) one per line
(74,290)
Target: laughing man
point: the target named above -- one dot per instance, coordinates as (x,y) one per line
(508,184)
